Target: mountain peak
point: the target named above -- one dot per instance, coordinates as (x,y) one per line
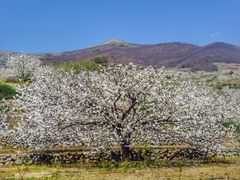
(115,42)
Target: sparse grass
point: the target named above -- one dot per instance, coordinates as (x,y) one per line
(7,150)
(10,83)
(217,170)
(10,150)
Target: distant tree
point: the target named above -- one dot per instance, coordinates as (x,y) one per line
(23,66)
(119,107)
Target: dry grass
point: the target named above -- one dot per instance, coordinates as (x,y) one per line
(202,172)
(6,150)
(230,66)
(230,170)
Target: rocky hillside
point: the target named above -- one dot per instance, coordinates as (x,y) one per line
(204,57)
(173,54)
(167,54)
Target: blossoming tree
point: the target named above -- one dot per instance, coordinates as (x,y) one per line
(119,107)
(23,66)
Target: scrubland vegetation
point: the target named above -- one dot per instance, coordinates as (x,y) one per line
(120,108)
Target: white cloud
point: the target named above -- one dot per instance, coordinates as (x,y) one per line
(215,34)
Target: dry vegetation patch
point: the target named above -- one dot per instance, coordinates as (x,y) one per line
(217,170)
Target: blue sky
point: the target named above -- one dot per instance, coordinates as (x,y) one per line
(61,25)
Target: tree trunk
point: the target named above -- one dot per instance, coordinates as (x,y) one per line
(126,151)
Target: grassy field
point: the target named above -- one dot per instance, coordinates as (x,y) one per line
(227,169)
(44,172)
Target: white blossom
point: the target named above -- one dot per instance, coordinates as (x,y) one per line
(23,66)
(121,106)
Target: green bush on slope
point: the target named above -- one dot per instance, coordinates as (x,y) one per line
(6,91)
(87,65)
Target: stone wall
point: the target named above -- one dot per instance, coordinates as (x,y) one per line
(11,159)
(83,157)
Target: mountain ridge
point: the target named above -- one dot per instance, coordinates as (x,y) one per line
(169,54)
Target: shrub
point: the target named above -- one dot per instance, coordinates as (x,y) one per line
(228,85)
(234,86)
(100,60)
(235,124)
(77,67)
(6,91)
(89,65)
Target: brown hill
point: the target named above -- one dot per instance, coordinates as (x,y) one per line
(204,57)
(167,54)
(173,54)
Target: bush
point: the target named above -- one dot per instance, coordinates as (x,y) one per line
(228,85)
(234,86)
(235,124)
(87,65)
(100,60)
(4,108)
(6,91)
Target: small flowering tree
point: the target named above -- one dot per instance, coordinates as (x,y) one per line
(23,66)
(119,107)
